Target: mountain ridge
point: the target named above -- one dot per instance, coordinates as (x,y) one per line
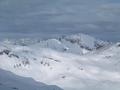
(46,61)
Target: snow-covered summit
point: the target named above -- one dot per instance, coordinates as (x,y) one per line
(85,41)
(77,44)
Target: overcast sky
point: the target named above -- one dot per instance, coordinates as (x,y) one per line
(46,18)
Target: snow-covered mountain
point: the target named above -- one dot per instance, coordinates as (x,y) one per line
(76,44)
(71,62)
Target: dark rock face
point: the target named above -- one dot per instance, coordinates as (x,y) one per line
(8,52)
(13,55)
(1,53)
(5,52)
(118,45)
(98,46)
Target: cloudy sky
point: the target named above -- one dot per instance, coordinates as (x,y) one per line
(49,18)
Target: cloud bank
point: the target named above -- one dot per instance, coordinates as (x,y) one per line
(52,17)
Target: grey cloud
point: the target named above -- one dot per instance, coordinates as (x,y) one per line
(109,12)
(100,18)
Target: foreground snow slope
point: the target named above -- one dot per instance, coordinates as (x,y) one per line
(52,62)
(9,81)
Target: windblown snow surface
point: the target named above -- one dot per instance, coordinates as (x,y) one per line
(9,81)
(75,62)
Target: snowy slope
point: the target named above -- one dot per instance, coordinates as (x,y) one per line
(52,62)
(9,81)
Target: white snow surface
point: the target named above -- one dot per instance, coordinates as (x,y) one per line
(9,81)
(76,62)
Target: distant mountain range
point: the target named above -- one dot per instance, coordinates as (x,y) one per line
(71,62)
